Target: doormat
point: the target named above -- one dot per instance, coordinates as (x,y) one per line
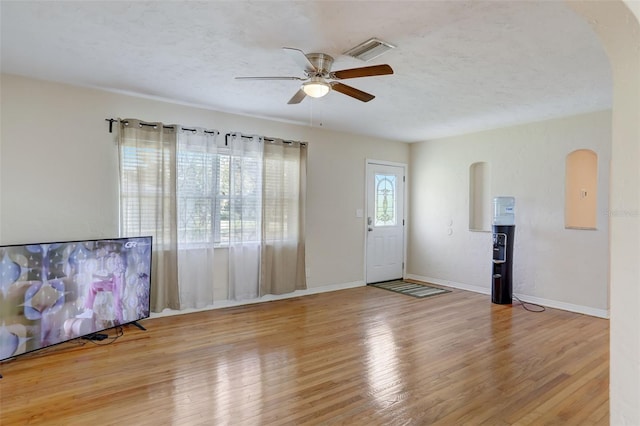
(410,289)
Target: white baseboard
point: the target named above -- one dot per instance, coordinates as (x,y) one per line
(453,284)
(600,313)
(269,297)
(580,309)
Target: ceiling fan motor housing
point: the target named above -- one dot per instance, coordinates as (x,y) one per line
(322,62)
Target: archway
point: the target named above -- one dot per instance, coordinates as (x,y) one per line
(617,23)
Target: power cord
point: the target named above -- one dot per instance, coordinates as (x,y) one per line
(109,339)
(524,305)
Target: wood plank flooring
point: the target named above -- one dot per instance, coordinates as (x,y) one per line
(363,356)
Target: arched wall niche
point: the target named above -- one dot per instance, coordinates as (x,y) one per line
(479,198)
(581,190)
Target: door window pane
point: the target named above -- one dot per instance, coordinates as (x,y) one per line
(385,200)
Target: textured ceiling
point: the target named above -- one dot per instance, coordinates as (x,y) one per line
(459,66)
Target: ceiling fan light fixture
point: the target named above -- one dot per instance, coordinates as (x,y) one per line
(370,49)
(316,87)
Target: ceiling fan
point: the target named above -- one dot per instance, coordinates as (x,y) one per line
(318,80)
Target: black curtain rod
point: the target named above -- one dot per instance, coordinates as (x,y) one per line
(226,139)
(210,132)
(112,120)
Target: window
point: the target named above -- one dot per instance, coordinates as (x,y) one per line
(197,176)
(143,178)
(219,191)
(222,201)
(281,193)
(206,191)
(385,206)
(239,190)
(168,185)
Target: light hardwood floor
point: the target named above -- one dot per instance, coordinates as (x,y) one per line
(363,356)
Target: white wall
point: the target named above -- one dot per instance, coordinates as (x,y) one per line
(59,170)
(528,162)
(618,25)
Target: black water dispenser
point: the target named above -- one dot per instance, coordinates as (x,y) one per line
(503,233)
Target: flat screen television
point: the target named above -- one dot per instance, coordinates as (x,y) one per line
(54,292)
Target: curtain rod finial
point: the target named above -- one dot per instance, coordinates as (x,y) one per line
(110,120)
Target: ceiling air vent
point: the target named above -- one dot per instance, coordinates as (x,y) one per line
(370,49)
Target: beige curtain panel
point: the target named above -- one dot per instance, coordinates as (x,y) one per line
(283,217)
(148,201)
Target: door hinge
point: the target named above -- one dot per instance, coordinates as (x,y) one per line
(403,178)
(402,222)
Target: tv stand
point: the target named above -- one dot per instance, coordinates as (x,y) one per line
(137,324)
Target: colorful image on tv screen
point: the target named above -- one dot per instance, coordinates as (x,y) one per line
(54,292)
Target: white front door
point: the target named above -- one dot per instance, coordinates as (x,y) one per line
(385,222)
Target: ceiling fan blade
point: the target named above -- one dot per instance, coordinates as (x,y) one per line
(270,78)
(363,72)
(352,91)
(301,58)
(297,98)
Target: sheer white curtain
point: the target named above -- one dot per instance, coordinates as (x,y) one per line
(148,203)
(245,207)
(283,217)
(197,178)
